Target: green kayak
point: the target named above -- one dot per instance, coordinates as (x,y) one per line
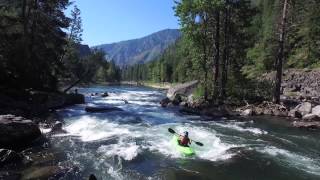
(187,151)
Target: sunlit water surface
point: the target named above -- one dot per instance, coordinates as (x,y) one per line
(135,143)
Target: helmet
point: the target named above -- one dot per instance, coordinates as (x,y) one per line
(186,133)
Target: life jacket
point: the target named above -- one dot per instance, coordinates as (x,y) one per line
(185,141)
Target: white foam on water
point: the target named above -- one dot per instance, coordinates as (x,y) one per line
(238,127)
(292,159)
(128,151)
(213,150)
(90,128)
(45,130)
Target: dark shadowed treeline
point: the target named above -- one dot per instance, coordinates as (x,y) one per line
(39,47)
(228,44)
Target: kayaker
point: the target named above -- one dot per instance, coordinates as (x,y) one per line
(184,140)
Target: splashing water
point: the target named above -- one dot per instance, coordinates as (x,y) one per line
(135,143)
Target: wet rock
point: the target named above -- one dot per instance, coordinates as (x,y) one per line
(311,117)
(279,113)
(306,125)
(102,109)
(259,111)
(57,128)
(187,110)
(267,111)
(247,112)
(105,94)
(17,132)
(9,156)
(316,110)
(295,113)
(304,108)
(71,99)
(177,99)
(183,89)
(183,104)
(92,177)
(164,102)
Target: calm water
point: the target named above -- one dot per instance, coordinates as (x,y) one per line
(135,143)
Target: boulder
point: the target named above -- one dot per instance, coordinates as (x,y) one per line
(164,102)
(177,99)
(306,125)
(183,89)
(71,99)
(183,104)
(294,113)
(102,109)
(304,108)
(9,156)
(17,132)
(57,128)
(316,110)
(311,117)
(105,94)
(247,112)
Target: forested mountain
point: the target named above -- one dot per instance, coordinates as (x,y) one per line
(140,50)
(228,44)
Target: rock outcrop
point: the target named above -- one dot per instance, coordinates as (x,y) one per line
(306,125)
(182,89)
(17,132)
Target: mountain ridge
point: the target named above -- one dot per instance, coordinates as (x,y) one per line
(140,50)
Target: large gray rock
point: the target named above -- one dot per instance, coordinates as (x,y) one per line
(182,89)
(316,110)
(247,112)
(304,108)
(17,132)
(306,125)
(311,117)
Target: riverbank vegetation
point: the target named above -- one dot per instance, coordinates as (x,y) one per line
(227,45)
(39,47)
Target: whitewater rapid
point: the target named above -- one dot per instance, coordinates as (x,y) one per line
(110,142)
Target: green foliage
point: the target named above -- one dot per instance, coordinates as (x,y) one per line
(32,41)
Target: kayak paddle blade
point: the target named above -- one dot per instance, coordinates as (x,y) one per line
(171,131)
(199,143)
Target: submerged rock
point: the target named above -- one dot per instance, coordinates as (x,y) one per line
(164,102)
(17,132)
(9,156)
(57,128)
(105,94)
(102,109)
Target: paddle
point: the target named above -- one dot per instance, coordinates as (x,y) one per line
(173,132)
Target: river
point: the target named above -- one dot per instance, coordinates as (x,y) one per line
(135,143)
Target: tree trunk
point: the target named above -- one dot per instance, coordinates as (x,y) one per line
(280,54)
(223,77)
(217,55)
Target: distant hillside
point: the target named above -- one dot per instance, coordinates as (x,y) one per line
(140,50)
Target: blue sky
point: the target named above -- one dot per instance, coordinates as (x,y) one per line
(106,21)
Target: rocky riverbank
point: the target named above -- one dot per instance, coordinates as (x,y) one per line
(22,145)
(299,100)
